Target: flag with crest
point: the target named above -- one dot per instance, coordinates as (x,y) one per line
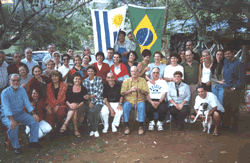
(147,23)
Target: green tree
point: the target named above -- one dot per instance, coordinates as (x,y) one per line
(24,17)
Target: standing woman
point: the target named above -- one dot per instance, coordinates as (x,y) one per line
(38,82)
(119,69)
(102,68)
(94,87)
(77,68)
(132,57)
(204,71)
(157,57)
(25,76)
(143,66)
(55,100)
(182,57)
(217,77)
(74,100)
(85,61)
(172,68)
(50,65)
(57,58)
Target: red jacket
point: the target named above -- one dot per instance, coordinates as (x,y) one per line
(124,71)
(103,71)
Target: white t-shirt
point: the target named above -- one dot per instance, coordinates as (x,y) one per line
(30,64)
(64,70)
(212,101)
(158,89)
(170,70)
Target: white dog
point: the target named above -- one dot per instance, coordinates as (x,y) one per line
(204,111)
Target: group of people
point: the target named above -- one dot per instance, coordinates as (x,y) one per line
(69,86)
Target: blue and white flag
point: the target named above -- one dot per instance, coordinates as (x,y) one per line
(106,25)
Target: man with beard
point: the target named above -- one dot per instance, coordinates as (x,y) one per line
(14,98)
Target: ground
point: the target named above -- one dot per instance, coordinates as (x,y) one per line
(168,146)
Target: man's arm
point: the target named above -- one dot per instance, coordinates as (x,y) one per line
(26,101)
(241,76)
(163,97)
(6,104)
(212,111)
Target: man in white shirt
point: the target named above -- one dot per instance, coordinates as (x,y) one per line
(51,50)
(109,58)
(28,59)
(65,67)
(87,52)
(214,106)
(131,39)
(156,100)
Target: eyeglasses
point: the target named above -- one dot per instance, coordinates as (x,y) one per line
(29,52)
(65,59)
(110,77)
(155,72)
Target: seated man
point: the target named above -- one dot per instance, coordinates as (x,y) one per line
(156,100)
(113,102)
(178,97)
(134,90)
(13,99)
(215,107)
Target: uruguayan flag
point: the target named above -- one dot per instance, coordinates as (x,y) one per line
(106,25)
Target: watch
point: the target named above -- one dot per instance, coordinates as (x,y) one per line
(233,88)
(120,103)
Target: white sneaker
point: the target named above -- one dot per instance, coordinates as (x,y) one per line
(114,129)
(97,134)
(105,130)
(91,133)
(151,125)
(159,126)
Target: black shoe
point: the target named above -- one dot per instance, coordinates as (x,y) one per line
(234,129)
(18,151)
(34,145)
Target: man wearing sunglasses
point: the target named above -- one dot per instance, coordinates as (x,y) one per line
(65,67)
(156,100)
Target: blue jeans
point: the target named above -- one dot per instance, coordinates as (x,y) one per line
(218,91)
(140,109)
(27,120)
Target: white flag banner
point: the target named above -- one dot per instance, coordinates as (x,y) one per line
(106,25)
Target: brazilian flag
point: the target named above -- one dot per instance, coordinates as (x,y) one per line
(147,23)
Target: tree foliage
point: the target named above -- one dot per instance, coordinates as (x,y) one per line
(26,19)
